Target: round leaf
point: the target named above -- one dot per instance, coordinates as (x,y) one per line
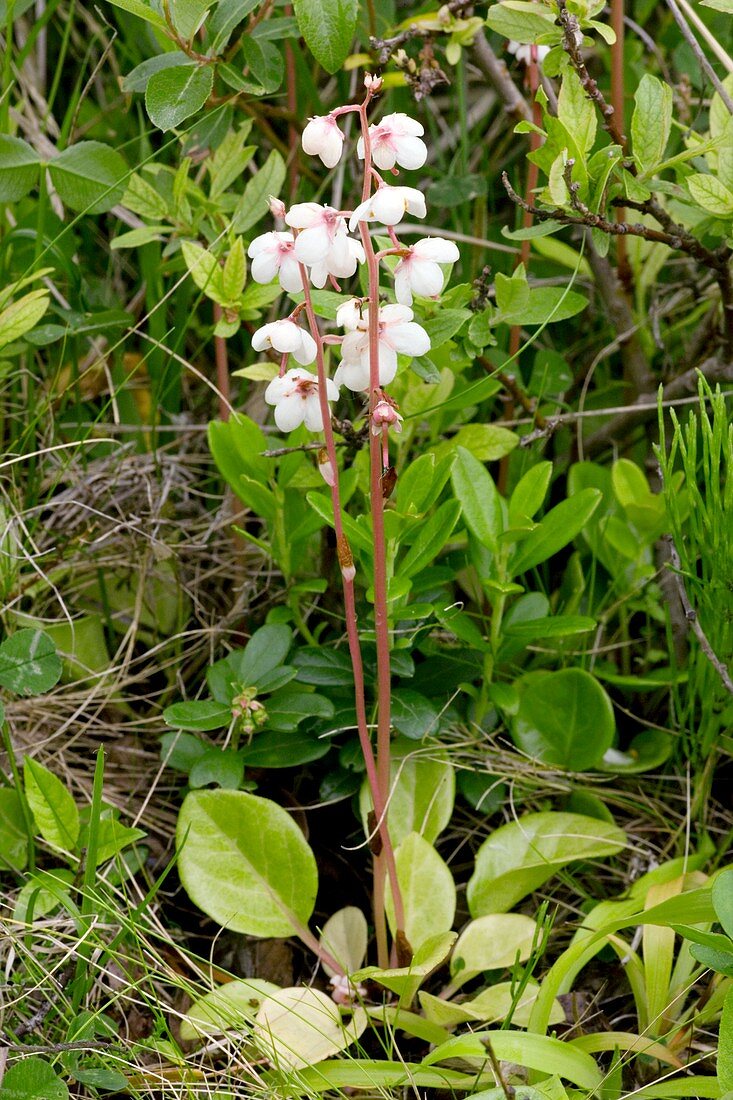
(345,936)
(175,94)
(89,177)
(299,1027)
(232,1006)
(198,714)
(30,1079)
(491,943)
(29,664)
(18,168)
(422,795)
(427,888)
(565,718)
(245,862)
(520,856)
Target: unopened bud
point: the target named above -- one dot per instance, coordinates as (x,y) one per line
(385,415)
(277,207)
(345,558)
(325,468)
(372,83)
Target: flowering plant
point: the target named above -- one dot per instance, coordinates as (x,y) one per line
(322,248)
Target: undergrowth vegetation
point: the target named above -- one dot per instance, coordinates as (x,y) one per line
(366,549)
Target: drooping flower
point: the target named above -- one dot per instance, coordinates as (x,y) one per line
(318,227)
(341,260)
(296,400)
(389,205)
(322,138)
(396,140)
(287,338)
(523,52)
(397,333)
(385,415)
(348,315)
(273,254)
(419,273)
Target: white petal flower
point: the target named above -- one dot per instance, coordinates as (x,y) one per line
(388,205)
(296,401)
(318,227)
(287,338)
(398,333)
(322,138)
(419,273)
(396,140)
(348,315)
(523,52)
(272,254)
(341,262)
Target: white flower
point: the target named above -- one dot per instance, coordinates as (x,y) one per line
(388,205)
(419,273)
(398,333)
(287,338)
(341,260)
(348,315)
(272,254)
(523,52)
(396,140)
(318,227)
(296,401)
(322,138)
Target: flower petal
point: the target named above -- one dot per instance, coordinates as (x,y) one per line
(412,152)
(306,351)
(264,267)
(289,413)
(304,214)
(402,288)
(409,339)
(437,249)
(312,245)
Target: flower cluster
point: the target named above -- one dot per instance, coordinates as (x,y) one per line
(322,245)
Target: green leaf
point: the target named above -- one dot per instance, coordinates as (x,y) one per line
(345,936)
(253,204)
(224,767)
(522,22)
(198,714)
(427,889)
(300,1027)
(232,1006)
(245,862)
(175,94)
(445,325)
(518,858)
(13,834)
(371,1074)
(32,1079)
(455,190)
(565,719)
(479,499)
(137,80)
(142,11)
(89,177)
(550,626)
(228,15)
(54,810)
(723,899)
(432,537)
(406,980)
(712,195)
(266,650)
(265,62)
(651,122)
(22,316)
(545,305)
(112,838)
(486,442)
(413,715)
(538,1052)
(286,748)
(422,794)
(557,529)
(529,492)
(18,168)
(323,667)
(576,111)
(287,709)
(41,893)
(493,942)
(29,663)
(188,15)
(328,29)
(725,1046)
(144,199)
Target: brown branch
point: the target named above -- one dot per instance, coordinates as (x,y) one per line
(572,44)
(385,48)
(692,618)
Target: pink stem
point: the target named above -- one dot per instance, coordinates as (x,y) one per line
(381,620)
(346,561)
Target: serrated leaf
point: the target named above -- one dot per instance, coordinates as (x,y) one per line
(144,199)
(137,79)
(711,194)
(142,11)
(235,270)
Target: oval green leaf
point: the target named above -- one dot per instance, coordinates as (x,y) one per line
(175,94)
(565,719)
(89,177)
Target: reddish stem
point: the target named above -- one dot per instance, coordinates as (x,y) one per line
(378,793)
(222,368)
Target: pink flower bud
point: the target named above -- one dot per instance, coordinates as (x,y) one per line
(385,415)
(277,207)
(372,83)
(325,468)
(348,572)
